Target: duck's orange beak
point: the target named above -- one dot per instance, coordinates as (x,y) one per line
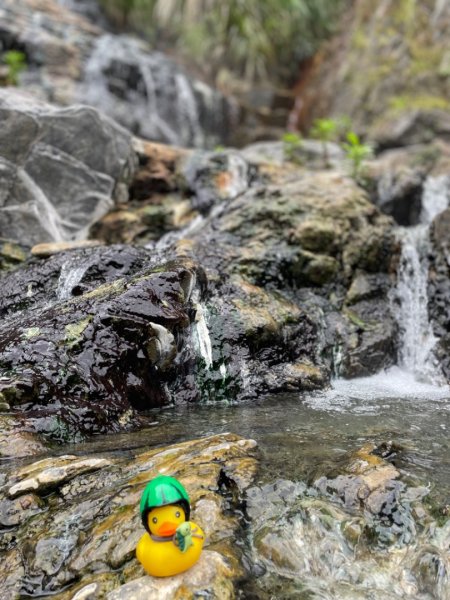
(167,529)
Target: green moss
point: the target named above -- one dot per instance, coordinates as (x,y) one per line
(102,291)
(424,59)
(13,252)
(31,332)
(356,320)
(74,330)
(360,40)
(404,12)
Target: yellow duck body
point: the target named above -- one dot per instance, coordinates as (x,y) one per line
(157,551)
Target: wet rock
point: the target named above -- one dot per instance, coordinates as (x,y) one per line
(339,540)
(15,512)
(65,363)
(396,181)
(159,168)
(68,274)
(83,538)
(217,177)
(367,286)
(16,442)
(11,255)
(211,575)
(41,158)
(368,475)
(122,71)
(438,287)
(308,153)
(412,127)
(369,341)
(44,478)
(276,245)
(88,592)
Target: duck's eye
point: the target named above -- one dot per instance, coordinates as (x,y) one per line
(155,520)
(178,514)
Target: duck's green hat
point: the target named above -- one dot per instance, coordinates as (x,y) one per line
(161,491)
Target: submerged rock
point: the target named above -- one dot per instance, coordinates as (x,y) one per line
(357,530)
(79,541)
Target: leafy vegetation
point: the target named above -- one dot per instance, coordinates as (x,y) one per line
(329,130)
(252,38)
(326,131)
(291,143)
(16,62)
(356,153)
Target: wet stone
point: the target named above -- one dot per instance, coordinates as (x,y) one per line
(82,534)
(17,511)
(56,475)
(210,576)
(15,442)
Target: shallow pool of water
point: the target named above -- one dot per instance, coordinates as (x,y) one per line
(302,435)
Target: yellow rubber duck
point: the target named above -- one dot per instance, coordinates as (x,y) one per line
(172,543)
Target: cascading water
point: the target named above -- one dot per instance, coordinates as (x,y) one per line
(410,296)
(69,277)
(150,95)
(202,337)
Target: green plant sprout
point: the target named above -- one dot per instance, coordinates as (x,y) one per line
(357,153)
(16,62)
(325,130)
(292,142)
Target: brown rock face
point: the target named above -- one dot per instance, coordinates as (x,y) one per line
(387,70)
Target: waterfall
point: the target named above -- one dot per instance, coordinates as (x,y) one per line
(150,95)
(69,277)
(410,296)
(202,337)
(40,209)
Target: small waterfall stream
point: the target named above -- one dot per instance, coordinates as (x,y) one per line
(202,337)
(69,277)
(410,296)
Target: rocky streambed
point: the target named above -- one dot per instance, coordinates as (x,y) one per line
(154,299)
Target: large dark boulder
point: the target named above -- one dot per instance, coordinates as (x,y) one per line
(82,360)
(280,259)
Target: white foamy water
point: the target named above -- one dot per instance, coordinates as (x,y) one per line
(369,395)
(201,335)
